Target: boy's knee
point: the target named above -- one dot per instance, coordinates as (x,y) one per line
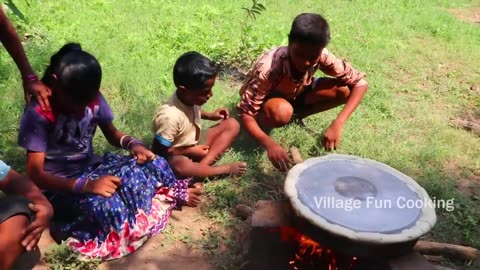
(11,232)
(11,237)
(231,125)
(278,112)
(343,93)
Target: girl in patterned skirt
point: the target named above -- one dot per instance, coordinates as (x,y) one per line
(104,207)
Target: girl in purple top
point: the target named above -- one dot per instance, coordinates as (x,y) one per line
(104,207)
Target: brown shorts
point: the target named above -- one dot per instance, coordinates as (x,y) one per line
(298,103)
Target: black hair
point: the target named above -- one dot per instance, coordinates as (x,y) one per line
(78,73)
(310,28)
(192,70)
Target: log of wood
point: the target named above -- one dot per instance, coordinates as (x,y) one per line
(467,125)
(450,251)
(243,211)
(434,259)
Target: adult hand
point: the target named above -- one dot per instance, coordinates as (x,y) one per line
(38,90)
(142,154)
(331,138)
(220,114)
(279,157)
(43,214)
(104,186)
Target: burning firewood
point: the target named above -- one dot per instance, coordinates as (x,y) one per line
(450,251)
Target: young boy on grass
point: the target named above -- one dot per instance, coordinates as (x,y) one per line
(179,138)
(24,214)
(280,87)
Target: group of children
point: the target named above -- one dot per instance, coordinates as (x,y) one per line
(106,207)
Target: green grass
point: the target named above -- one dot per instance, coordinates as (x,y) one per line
(421,62)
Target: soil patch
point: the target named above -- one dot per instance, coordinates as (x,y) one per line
(467,14)
(165,251)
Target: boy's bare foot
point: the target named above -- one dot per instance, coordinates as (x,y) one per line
(195,195)
(237,168)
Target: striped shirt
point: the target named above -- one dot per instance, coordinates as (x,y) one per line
(272,74)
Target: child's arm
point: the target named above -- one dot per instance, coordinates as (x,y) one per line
(18,184)
(44,180)
(104,186)
(276,153)
(333,133)
(218,114)
(116,138)
(195,152)
(15,183)
(355,80)
(253,92)
(169,125)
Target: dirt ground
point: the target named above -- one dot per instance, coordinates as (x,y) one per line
(467,14)
(160,252)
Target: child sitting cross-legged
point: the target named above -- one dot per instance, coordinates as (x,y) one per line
(104,207)
(190,150)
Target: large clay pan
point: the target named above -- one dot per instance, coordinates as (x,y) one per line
(317,187)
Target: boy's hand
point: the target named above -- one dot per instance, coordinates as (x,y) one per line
(38,90)
(219,114)
(198,152)
(279,157)
(43,214)
(331,138)
(104,186)
(142,154)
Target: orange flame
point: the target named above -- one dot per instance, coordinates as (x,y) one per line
(309,251)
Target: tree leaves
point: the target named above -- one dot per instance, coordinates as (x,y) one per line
(14,9)
(255,9)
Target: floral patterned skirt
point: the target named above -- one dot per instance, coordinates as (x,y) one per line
(110,228)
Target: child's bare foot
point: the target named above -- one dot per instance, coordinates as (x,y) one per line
(237,168)
(195,195)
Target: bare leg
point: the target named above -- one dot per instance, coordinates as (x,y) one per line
(220,138)
(327,94)
(276,112)
(11,236)
(185,168)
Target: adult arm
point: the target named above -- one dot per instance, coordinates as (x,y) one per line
(31,84)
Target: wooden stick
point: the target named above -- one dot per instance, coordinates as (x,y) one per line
(243,211)
(450,251)
(297,158)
